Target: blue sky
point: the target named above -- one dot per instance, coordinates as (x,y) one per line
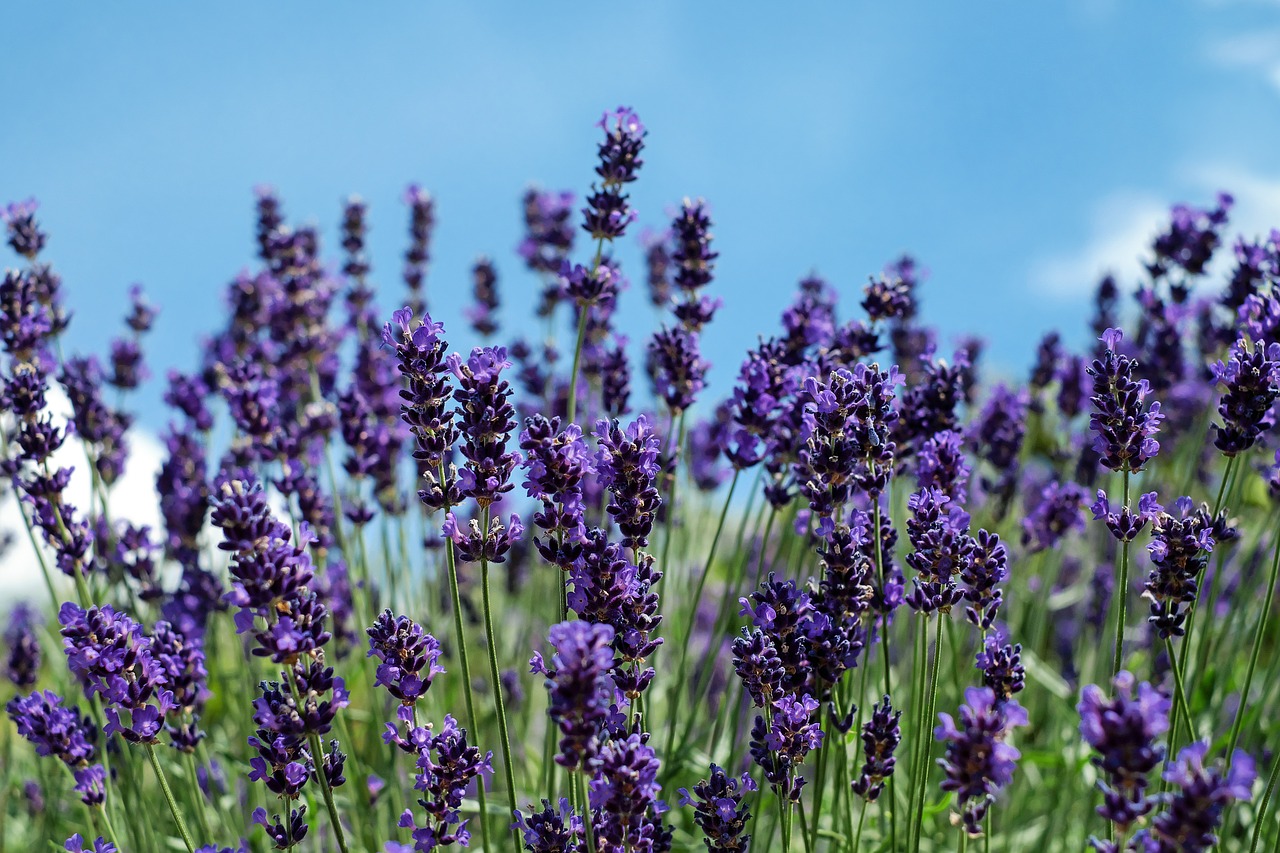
(1016,149)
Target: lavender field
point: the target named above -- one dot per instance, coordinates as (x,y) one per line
(556,594)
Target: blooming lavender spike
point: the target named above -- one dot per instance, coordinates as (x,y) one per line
(988,567)
(608,213)
(978,761)
(1001,665)
(1193,814)
(942,549)
(422,220)
(1124,425)
(548,231)
(486,421)
(76,844)
(781,746)
(1180,547)
(624,797)
(554,829)
(1124,731)
(676,367)
(409,656)
(880,738)
(1054,515)
(1127,523)
(580,687)
(942,465)
(627,465)
(1251,379)
(484,287)
(23,232)
(719,809)
(556,461)
(446,767)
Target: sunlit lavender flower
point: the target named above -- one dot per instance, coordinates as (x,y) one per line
(996,435)
(554,829)
(676,367)
(1194,812)
(76,844)
(53,728)
(657,262)
(581,689)
(446,767)
(484,288)
(978,761)
(556,461)
(942,465)
(627,465)
(889,297)
(719,809)
(420,348)
(1251,379)
(1001,665)
(928,405)
(101,427)
(780,747)
(548,229)
(1124,425)
(615,378)
(1191,239)
(284,831)
(988,567)
(1124,731)
(1180,547)
(624,797)
(486,420)
(881,735)
(693,262)
(608,213)
(941,550)
(409,656)
(183,662)
(1126,523)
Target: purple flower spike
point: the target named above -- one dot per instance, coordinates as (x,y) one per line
(880,738)
(1194,812)
(580,687)
(719,809)
(23,662)
(627,465)
(624,797)
(1124,425)
(780,748)
(978,761)
(608,213)
(1251,379)
(1124,731)
(409,655)
(554,829)
(76,844)
(24,233)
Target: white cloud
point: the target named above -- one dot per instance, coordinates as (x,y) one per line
(1123,224)
(1256,52)
(133,497)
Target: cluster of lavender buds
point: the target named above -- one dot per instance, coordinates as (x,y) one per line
(62,732)
(409,656)
(881,735)
(554,829)
(1251,379)
(1180,547)
(979,761)
(720,810)
(446,767)
(1194,812)
(1124,425)
(422,221)
(556,462)
(608,212)
(779,747)
(580,688)
(22,664)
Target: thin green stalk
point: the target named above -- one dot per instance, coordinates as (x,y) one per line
(173,804)
(499,705)
(857,838)
(678,686)
(202,814)
(1122,591)
(460,635)
(882,572)
(1265,805)
(924,752)
(577,358)
(1179,698)
(1258,632)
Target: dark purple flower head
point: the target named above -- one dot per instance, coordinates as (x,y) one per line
(1180,547)
(624,797)
(98,425)
(23,662)
(1054,515)
(1001,665)
(111,656)
(556,462)
(284,831)
(627,465)
(580,687)
(1251,379)
(988,567)
(978,761)
(1191,239)
(24,233)
(554,829)
(587,286)
(183,661)
(720,810)
(780,747)
(446,766)
(941,464)
(880,738)
(1124,425)
(615,378)
(548,229)
(409,656)
(1123,731)
(676,367)
(1125,524)
(941,550)
(473,544)
(1194,812)
(1049,355)
(756,660)
(608,213)
(54,729)
(889,298)
(422,220)
(657,259)
(26,322)
(486,420)
(928,405)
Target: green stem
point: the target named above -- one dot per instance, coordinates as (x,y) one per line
(882,572)
(461,636)
(1265,805)
(202,814)
(1179,697)
(1122,591)
(1258,633)
(173,804)
(499,705)
(924,732)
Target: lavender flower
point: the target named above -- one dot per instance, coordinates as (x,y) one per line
(1195,811)
(1251,377)
(880,738)
(1001,665)
(580,687)
(556,462)
(676,367)
(693,262)
(942,549)
(608,213)
(781,746)
(719,809)
(996,436)
(548,230)
(1180,546)
(409,656)
(76,844)
(24,233)
(624,798)
(56,730)
(979,761)
(1124,425)
(23,662)
(1124,731)
(942,465)
(988,566)
(657,262)
(1126,524)
(554,829)
(446,767)
(627,465)
(889,297)
(1054,515)
(486,420)
(183,662)
(484,287)
(422,220)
